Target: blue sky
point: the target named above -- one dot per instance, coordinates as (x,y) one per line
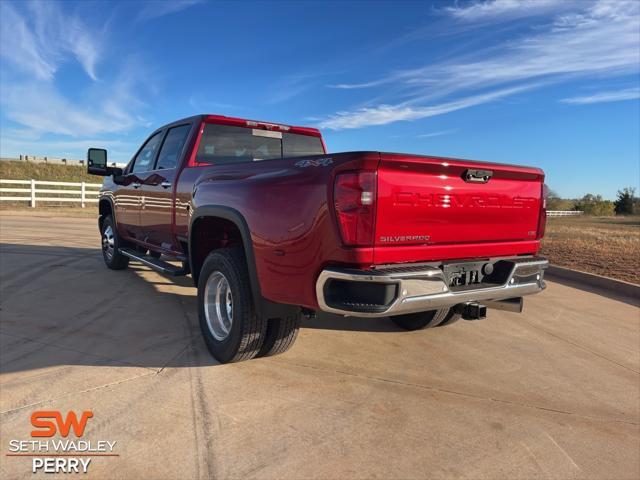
(550,83)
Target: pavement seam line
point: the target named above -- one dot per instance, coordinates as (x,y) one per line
(190,342)
(106,385)
(180,352)
(462,394)
(54,345)
(582,347)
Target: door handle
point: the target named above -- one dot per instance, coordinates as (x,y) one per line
(165,184)
(135,185)
(477,176)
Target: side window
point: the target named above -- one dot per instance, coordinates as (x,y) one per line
(301,145)
(172,147)
(144,159)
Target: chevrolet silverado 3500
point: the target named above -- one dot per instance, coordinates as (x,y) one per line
(272,227)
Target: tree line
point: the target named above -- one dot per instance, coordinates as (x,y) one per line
(626,203)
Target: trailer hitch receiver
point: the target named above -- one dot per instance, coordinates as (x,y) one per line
(471,311)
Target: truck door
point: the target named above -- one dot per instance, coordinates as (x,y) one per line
(128,198)
(157,190)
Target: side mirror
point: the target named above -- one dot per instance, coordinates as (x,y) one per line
(97,162)
(118,178)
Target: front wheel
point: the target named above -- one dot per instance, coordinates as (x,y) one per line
(416,321)
(111,244)
(232,329)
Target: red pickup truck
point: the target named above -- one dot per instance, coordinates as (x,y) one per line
(272,227)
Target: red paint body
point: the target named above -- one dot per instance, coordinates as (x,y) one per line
(290,212)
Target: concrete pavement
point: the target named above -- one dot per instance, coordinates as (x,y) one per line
(551,393)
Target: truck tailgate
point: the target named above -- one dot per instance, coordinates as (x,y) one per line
(435,202)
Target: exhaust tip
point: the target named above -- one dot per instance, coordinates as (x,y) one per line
(509,304)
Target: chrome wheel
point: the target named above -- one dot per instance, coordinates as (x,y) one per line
(218,305)
(108,243)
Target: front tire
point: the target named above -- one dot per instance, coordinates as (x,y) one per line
(416,321)
(232,329)
(111,244)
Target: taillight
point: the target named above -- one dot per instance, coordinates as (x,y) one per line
(355,202)
(542,218)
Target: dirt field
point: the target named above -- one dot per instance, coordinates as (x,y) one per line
(608,246)
(547,394)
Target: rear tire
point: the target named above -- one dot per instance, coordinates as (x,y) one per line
(232,329)
(416,321)
(111,244)
(452,317)
(281,335)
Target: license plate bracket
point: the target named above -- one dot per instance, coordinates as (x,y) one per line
(463,274)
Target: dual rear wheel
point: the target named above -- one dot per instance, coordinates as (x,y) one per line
(232,329)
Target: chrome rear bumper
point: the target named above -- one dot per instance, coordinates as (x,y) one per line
(418,288)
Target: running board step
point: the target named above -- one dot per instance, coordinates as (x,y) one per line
(155,263)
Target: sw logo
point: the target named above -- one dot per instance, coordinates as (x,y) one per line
(62,454)
(48,428)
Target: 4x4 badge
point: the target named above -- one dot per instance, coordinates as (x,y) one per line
(315,162)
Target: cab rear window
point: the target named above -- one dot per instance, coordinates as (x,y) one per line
(222,144)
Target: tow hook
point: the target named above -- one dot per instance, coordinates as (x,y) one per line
(471,311)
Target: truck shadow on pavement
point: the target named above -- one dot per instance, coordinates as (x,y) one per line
(61,306)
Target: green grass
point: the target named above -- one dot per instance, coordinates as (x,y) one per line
(10,170)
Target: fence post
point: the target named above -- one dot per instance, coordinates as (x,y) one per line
(82,194)
(33,193)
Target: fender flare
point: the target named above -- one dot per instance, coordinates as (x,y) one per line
(109,199)
(236,218)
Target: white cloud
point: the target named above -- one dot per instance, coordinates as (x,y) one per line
(506,9)
(437,134)
(602,39)
(288,87)
(39,43)
(383,114)
(107,107)
(19,44)
(599,40)
(36,41)
(351,86)
(612,96)
(156,9)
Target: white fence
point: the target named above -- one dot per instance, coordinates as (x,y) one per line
(563,213)
(81,192)
(88,194)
